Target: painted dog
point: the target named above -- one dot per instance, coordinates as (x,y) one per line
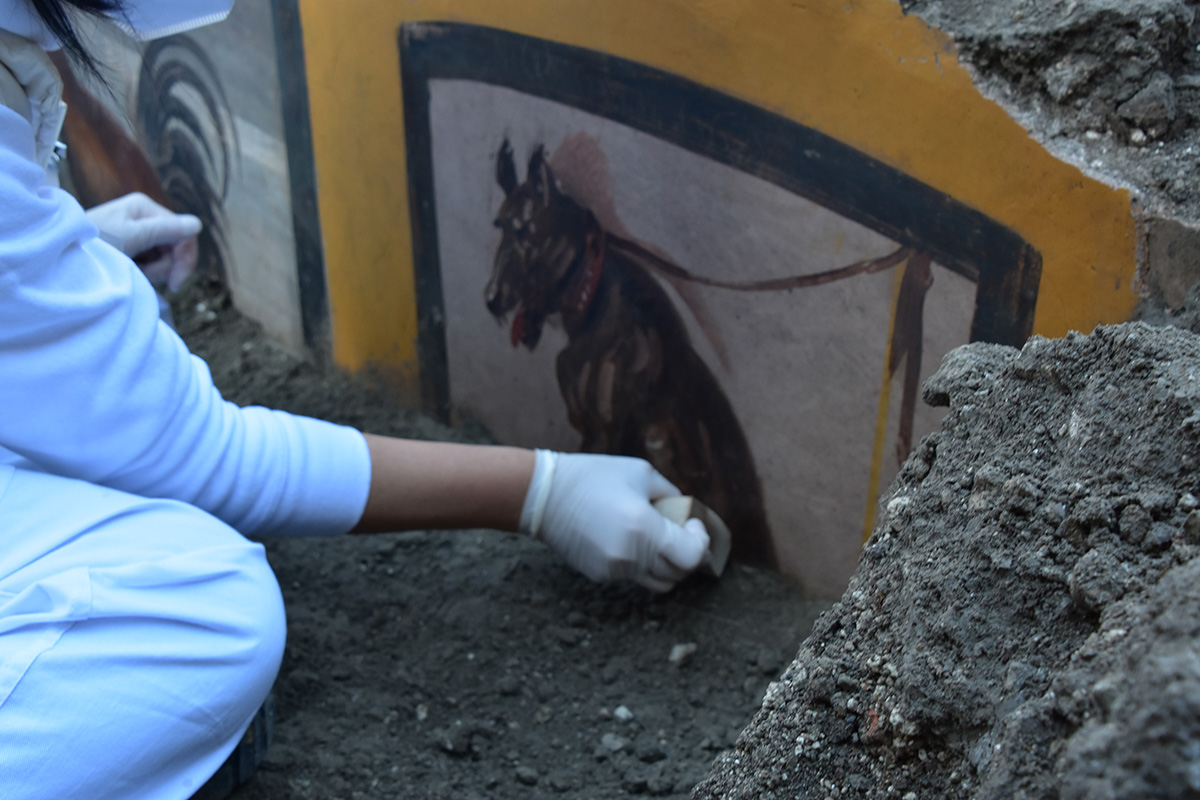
(632,382)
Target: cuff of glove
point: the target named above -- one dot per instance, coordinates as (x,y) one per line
(534,508)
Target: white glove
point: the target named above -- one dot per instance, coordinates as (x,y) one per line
(595,512)
(161,241)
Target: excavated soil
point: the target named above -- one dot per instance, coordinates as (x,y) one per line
(1024,620)
(475,664)
(1112,86)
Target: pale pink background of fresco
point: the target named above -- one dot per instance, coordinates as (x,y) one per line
(806,366)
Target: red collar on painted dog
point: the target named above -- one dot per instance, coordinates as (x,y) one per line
(580,296)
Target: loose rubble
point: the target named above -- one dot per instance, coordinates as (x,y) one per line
(1112,86)
(1024,620)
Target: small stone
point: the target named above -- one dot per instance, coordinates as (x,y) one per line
(659,785)
(622,714)
(651,753)
(616,667)
(1159,537)
(634,781)
(561,782)
(455,740)
(577,619)
(682,653)
(822,683)
(1092,513)
(1158,502)
(1069,75)
(303,679)
(614,743)
(527,775)
(1153,108)
(839,730)
(569,636)
(1188,503)
(1095,582)
(1134,523)
(1021,495)
(768,661)
(1191,528)
(508,685)
(1052,513)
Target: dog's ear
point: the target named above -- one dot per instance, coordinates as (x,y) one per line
(506,169)
(540,179)
(536,159)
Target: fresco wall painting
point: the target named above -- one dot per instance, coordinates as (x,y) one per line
(197,122)
(682,276)
(808,285)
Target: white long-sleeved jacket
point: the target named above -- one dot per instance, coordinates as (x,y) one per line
(120,617)
(93,386)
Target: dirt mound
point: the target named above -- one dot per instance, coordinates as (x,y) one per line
(1112,86)
(1024,620)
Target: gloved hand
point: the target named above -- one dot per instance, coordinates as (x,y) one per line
(161,242)
(595,512)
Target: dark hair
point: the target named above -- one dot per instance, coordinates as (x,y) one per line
(57,16)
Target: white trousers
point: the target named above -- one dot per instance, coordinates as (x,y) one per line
(137,639)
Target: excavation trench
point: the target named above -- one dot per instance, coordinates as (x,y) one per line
(1023,620)
(476,664)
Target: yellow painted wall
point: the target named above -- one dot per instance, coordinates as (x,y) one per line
(858,70)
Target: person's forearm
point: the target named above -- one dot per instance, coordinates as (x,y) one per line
(418,485)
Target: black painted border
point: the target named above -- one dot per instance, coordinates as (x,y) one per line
(302,176)
(432,356)
(797,158)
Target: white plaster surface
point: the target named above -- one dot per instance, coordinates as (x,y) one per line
(258,212)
